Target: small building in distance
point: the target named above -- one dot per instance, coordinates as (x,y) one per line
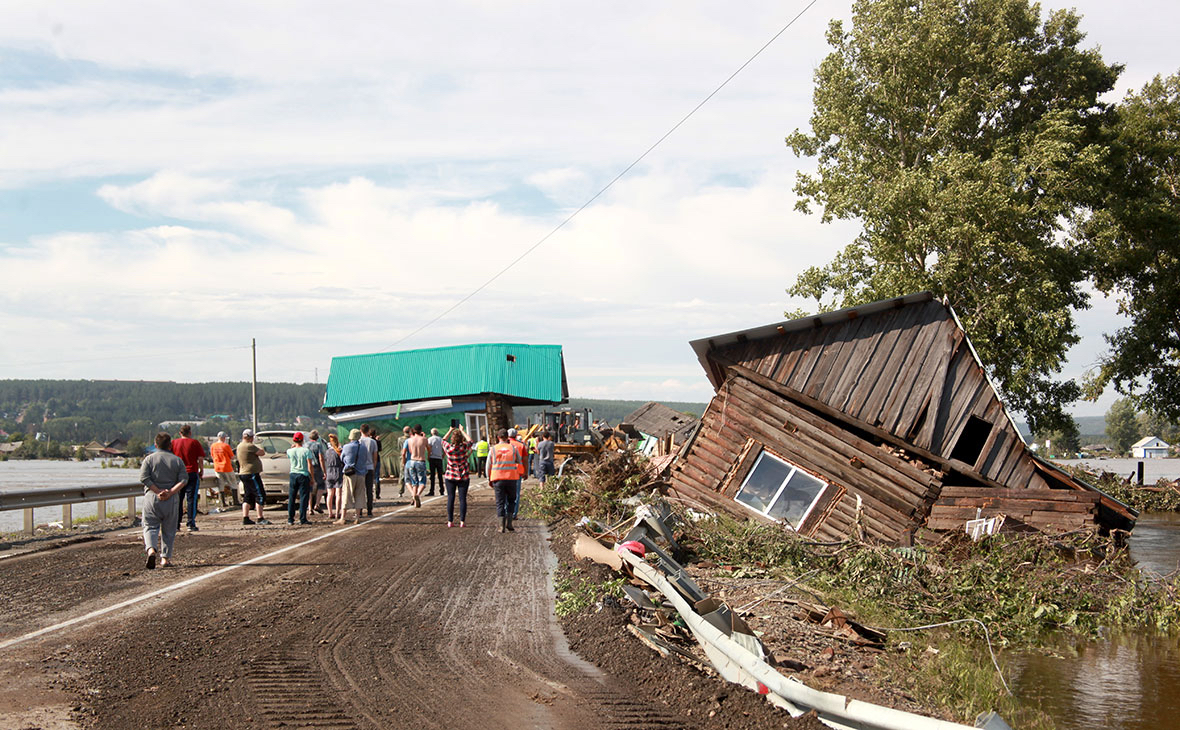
(1149,447)
(655,422)
(877,420)
(475,386)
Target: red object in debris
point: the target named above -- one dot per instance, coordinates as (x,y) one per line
(633,546)
(763,689)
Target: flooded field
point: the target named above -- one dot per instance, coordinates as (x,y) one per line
(21,475)
(1153,469)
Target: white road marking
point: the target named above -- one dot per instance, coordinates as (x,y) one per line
(196,579)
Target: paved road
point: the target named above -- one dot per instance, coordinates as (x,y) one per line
(398,623)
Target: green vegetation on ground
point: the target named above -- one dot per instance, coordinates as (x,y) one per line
(1028,589)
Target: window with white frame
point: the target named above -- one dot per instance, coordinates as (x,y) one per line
(780,490)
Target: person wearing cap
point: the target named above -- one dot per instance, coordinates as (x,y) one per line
(504,467)
(318,468)
(163,475)
(356,463)
(300,480)
(223,467)
(250,474)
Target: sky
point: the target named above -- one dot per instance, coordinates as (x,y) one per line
(329,178)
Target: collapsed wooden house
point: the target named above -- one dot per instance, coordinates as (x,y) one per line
(877,418)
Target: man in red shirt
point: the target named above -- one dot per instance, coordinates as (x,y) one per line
(192,454)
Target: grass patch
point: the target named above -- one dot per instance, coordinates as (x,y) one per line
(577,591)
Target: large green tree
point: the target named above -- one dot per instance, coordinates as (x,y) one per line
(1122,425)
(961,134)
(1134,234)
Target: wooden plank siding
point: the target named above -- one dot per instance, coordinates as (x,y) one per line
(875,402)
(895,495)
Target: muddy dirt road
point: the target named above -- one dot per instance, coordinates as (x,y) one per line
(400,622)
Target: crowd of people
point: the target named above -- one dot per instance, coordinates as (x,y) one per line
(333,478)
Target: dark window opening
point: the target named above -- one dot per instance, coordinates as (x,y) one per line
(919,423)
(971,440)
(511,358)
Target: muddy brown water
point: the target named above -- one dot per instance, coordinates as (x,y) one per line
(1128,682)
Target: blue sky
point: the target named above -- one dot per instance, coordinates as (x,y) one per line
(328,178)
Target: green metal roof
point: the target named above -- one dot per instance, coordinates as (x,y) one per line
(526,373)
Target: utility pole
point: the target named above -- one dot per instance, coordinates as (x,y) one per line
(254,386)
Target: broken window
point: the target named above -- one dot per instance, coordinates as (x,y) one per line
(780,490)
(971,440)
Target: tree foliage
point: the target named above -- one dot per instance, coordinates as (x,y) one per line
(1122,425)
(1064,441)
(961,133)
(1134,235)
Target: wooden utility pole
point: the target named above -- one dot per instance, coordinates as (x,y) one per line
(254,387)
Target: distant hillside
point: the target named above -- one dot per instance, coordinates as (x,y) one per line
(80,410)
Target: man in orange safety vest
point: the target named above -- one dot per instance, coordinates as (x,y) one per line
(506,464)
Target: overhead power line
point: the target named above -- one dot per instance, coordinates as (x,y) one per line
(609,185)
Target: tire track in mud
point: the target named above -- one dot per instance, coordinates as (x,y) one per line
(401,623)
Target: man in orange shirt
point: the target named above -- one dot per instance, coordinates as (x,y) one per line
(223,466)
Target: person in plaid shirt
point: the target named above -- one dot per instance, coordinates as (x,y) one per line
(457,447)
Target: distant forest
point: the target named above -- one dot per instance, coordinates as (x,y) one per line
(78,411)
(81,410)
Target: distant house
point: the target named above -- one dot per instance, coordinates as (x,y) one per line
(1149,447)
(476,386)
(876,419)
(655,421)
(93,449)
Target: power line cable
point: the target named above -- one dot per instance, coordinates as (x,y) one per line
(609,185)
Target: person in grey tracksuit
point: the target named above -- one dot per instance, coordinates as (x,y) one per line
(163,475)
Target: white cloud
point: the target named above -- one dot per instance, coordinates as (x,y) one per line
(330,179)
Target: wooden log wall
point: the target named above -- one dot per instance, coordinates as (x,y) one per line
(895,494)
(1050,510)
(908,371)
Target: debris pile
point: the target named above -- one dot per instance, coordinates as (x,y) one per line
(675,617)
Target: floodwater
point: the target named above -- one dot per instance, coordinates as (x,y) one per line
(19,475)
(1153,469)
(1127,682)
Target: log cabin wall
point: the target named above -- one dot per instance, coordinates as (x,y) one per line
(746,418)
(908,370)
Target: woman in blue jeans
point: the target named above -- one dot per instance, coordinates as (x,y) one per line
(457,448)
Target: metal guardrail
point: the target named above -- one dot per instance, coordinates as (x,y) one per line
(30,498)
(67,497)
